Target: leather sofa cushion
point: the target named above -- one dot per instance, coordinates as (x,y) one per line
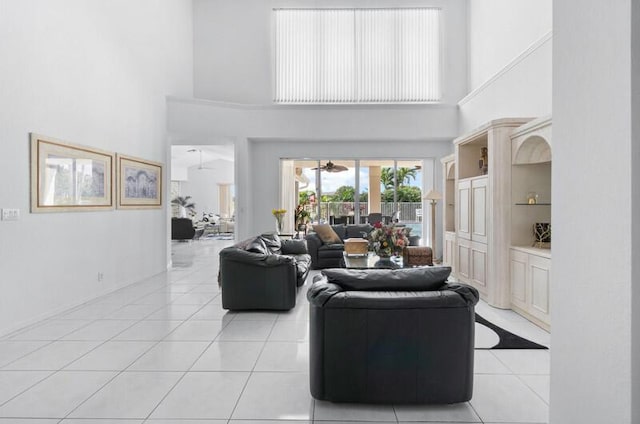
(257,246)
(272,241)
(294,247)
(303,262)
(326,233)
(341,231)
(356,231)
(419,279)
(332,246)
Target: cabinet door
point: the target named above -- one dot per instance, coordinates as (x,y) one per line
(464,210)
(464,260)
(479,266)
(538,274)
(519,265)
(479,210)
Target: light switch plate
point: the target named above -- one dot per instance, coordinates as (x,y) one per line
(10,214)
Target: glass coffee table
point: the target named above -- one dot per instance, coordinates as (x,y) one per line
(371,260)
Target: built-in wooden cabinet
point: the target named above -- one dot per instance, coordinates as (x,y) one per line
(530,284)
(498,184)
(530,260)
(483,209)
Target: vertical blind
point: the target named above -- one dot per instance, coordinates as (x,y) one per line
(357,55)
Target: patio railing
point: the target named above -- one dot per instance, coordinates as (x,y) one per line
(409,211)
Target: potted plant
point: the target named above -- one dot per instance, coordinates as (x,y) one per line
(184,205)
(301,216)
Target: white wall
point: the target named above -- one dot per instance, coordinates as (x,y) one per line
(595,207)
(232,42)
(93,73)
(500,30)
(314,131)
(510,51)
(202,185)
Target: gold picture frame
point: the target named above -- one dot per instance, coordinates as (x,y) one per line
(69,177)
(139,183)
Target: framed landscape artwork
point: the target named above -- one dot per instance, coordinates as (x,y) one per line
(68,177)
(139,183)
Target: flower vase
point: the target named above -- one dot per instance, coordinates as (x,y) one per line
(385,261)
(279,224)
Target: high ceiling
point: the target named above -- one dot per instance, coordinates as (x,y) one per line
(186,156)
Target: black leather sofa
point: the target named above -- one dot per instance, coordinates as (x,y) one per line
(391,336)
(330,255)
(182,229)
(263,272)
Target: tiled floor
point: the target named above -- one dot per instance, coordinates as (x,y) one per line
(164,351)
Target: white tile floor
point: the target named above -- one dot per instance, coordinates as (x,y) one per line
(163,351)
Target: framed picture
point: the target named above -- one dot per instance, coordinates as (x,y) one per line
(139,183)
(68,177)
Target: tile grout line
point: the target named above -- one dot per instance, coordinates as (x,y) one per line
(235,406)
(189,369)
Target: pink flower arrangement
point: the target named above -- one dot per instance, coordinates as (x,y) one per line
(388,240)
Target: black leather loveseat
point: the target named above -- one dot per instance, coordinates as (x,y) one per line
(263,272)
(391,336)
(329,255)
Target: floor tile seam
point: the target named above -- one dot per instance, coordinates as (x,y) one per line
(48,320)
(89,397)
(474,410)
(501,361)
(246,383)
(103,343)
(135,322)
(532,391)
(28,388)
(165,396)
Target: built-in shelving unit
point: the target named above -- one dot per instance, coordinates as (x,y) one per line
(530,264)
(483,209)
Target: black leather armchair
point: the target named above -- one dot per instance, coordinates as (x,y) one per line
(263,273)
(182,229)
(391,336)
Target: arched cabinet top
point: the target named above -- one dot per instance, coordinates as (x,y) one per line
(451,171)
(531,143)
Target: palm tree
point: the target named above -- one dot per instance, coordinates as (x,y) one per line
(184,204)
(403,175)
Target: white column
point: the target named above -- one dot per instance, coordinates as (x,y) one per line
(374,189)
(288,199)
(596,200)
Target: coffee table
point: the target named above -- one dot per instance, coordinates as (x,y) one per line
(370,260)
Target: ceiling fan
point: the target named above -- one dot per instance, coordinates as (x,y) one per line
(200,165)
(331,167)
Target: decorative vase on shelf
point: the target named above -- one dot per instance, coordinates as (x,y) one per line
(279,224)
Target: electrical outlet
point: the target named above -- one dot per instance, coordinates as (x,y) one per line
(10,214)
(100,277)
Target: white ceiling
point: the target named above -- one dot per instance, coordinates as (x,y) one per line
(186,156)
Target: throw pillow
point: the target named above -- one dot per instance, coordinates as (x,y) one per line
(424,279)
(326,234)
(294,247)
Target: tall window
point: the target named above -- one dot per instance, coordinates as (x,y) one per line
(357,55)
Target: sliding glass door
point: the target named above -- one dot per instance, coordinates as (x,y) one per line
(359,191)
